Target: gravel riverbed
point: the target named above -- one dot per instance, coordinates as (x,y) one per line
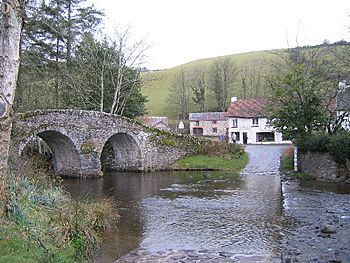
(318,228)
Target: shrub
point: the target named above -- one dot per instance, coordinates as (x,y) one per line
(316,143)
(338,145)
(222,149)
(236,150)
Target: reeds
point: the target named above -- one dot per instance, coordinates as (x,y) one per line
(42,217)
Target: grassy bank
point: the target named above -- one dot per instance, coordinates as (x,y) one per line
(287,159)
(204,162)
(41,223)
(215,156)
(287,166)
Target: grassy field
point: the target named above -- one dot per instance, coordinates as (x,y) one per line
(157,84)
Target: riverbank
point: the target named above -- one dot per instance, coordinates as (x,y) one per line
(318,216)
(319,221)
(211,163)
(40,222)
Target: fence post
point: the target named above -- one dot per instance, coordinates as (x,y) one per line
(295,158)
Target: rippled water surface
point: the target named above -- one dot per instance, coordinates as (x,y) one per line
(215,211)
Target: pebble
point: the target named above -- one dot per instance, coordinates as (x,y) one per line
(328,229)
(142,255)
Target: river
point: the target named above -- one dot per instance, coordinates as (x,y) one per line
(195,216)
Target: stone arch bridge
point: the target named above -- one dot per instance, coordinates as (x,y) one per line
(78,139)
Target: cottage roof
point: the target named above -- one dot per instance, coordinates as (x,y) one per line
(251,108)
(153,121)
(208,116)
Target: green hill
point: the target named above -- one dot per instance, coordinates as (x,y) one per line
(157,83)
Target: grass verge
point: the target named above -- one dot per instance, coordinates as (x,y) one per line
(287,166)
(205,162)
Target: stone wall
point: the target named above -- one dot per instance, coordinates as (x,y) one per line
(161,157)
(321,166)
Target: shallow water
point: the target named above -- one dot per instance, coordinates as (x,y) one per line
(214,211)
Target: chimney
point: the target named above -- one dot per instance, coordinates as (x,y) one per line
(233,99)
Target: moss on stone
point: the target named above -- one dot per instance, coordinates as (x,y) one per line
(87,148)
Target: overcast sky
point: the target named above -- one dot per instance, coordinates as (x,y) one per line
(181,31)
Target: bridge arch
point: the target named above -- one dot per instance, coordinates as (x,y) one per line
(121,152)
(66,160)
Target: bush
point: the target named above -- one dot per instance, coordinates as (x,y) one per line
(222,149)
(338,145)
(316,143)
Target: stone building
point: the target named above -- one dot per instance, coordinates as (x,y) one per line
(211,124)
(161,123)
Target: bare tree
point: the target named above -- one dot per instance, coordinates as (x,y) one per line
(198,86)
(252,84)
(12,15)
(106,75)
(222,75)
(130,55)
(179,98)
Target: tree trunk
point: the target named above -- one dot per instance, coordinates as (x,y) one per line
(12,13)
(69,37)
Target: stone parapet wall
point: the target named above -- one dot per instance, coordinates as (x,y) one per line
(321,166)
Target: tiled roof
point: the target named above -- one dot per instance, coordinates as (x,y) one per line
(208,116)
(154,121)
(251,108)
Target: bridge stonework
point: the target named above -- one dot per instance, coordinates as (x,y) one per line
(78,139)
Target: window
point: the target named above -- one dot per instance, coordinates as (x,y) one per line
(197,131)
(255,121)
(234,123)
(265,137)
(197,123)
(268,122)
(215,130)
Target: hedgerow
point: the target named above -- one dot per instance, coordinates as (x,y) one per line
(337,145)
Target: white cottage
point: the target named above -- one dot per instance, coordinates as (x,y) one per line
(248,123)
(343,105)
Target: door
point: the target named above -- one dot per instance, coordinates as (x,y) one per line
(245,138)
